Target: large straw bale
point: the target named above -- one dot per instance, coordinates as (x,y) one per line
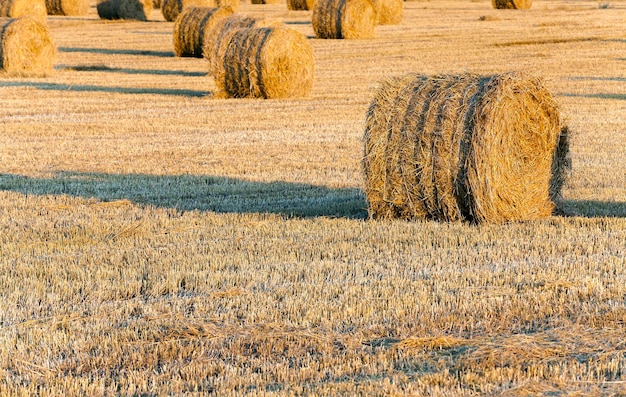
(192,28)
(138,10)
(344,19)
(512,4)
(25,47)
(300,5)
(389,12)
(67,7)
(17,8)
(463,147)
(108,9)
(270,62)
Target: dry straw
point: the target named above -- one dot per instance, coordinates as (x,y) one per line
(19,8)
(512,4)
(389,12)
(269,62)
(25,47)
(67,7)
(300,5)
(344,19)
(138,10)
(452,147)
(218,37)
(192,28)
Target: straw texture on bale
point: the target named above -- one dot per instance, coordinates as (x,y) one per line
(463,147)
(138,10)
(512,4)
(389,12)
(108,9)
(218,37)
(172,8)
(300,5)
(67,7)
(272,62)
(35,9)
(344,19)
(25,47)
(192,28)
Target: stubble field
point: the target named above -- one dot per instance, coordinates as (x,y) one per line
(155,240)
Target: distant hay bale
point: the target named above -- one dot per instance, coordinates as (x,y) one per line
(25,47)
(156,4)
(108,9)
(463,147)
(138,10)
(300,5)
(192,28)
(389,12)
(67,7)
(344,19)
(35,9)
(270,62)
(264,1)
(512,4)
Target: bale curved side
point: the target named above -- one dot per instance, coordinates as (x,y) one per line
(192,28)
(108,9)
(344,19)
(267,63)
(25,47)
(138,10)
(300,5)
(172,8)
(389,12)
(512,4)
(35,9)
(454,147)
(67,7)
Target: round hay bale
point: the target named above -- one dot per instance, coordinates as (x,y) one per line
(463,147)
(172,8)
(274,62)
(35,9)
(108,9)
(134,9)
(192,28)
(25,47)
(218,37)
(67,7)
(300,5)
(344,19)
(512,4)
(389,12)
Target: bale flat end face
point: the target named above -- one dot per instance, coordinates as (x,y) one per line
(26,48)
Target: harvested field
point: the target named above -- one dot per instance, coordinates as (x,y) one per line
(159,240)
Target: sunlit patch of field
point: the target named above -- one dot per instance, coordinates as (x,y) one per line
(155,240)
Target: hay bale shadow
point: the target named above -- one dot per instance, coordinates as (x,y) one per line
(108,69)
(198,193)
(592,209)
(97,88)
(117,51)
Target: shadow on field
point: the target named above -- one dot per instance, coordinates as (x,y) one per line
(593,208)
(108,69)
(621,97)
(117,51)
(198,192)
(98,88)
